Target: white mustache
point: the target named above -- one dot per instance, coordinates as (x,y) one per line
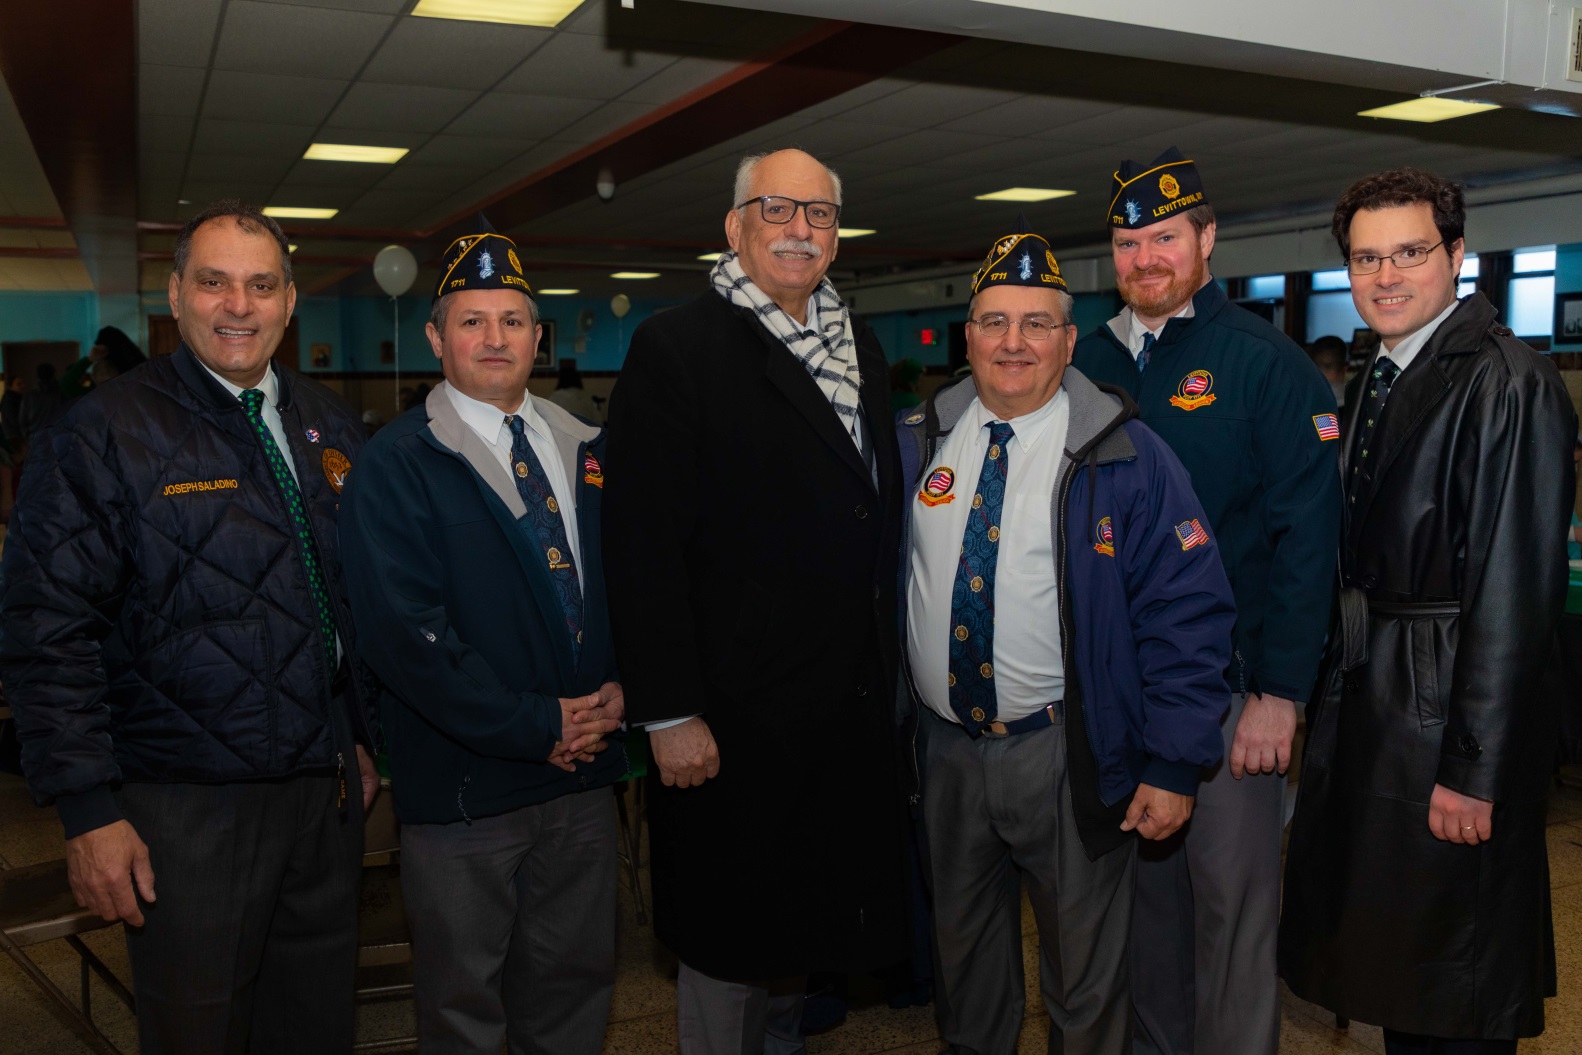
(796,245)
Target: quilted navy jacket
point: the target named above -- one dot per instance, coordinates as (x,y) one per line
(155,622)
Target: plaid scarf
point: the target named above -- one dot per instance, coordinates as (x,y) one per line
(830,356)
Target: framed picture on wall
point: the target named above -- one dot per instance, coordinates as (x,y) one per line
(546,344)
(321,356)
(1568,318)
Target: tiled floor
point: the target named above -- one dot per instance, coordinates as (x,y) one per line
(643,1020)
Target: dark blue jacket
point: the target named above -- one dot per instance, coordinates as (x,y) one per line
(460,619)
(1146,609)
(1251,440)
(157,620)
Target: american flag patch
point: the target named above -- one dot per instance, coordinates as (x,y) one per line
(1328,426)
(1191,534)
(1194,385)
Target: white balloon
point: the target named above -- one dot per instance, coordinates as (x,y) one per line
(395,269)
(620,304)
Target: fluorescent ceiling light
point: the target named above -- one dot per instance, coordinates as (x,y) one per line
(291,212)
(855,232)
(1024,194)
(711,257)
(1433,108)
(511,12)
(291,249)
(635,274)
(351,152)
(559,292)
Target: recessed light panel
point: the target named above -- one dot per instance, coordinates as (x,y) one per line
(292,212)
(351,152)
(635,274)
(1024,194)
(1433,108)
(511,12)
(855,232)
(559,292)
(711,257)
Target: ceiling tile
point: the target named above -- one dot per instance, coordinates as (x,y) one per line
(252,139)
(158,133)
(400,107)
(531,117)
(177,32)
(302,195)
(1029,115)
(201,193)
(172,91)
(926,105)
(389,208)
(679,78)
(474,152)
(156,165)
(443,179)
(351,174)
(299,41)
(606,119)
(582,67)
(270,98)
(445,53)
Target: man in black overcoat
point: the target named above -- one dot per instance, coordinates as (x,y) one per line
(1417,883)
(750,541)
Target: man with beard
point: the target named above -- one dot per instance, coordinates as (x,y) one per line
(750,540)
(1417,889)
(1253,421)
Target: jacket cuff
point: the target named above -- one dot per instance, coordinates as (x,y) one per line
(1179,777)
(1265,686)
(86,811)
(1467,777)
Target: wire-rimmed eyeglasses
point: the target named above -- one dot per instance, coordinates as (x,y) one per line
(1411,256)
(777,209)
(1033,327)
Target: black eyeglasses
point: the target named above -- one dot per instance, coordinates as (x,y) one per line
(1412,256)
(1033,327)
(776,209)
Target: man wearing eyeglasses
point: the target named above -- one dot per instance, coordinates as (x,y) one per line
(1255,424)
(1067,629)
(750,526)
(1417,886)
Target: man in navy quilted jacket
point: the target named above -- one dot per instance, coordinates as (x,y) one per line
(176,648)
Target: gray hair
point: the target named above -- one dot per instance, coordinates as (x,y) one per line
(1062,298)
(250,219)
(441,309)
(749,165)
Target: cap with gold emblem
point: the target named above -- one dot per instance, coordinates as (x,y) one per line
(1020,258)
(480,259)
(1142,195)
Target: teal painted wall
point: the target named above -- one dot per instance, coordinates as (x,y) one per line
(1568,279)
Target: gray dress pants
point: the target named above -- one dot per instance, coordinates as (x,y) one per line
(1206,917)
(252,943)
(513,928)
(997,812)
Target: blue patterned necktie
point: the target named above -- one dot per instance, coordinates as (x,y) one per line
(1384,374)
(972,599)
(1147,353)
(324,612)
(548,527)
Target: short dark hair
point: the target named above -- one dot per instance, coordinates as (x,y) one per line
(1397,187)
(438,311)
(248,218)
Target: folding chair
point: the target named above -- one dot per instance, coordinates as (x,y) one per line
(36,906)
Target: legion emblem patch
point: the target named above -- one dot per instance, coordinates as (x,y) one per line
(936,490)
(1195,390)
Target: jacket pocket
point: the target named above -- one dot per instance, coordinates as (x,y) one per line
(210,704)
(1425,672)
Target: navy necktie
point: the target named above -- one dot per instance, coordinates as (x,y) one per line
(1372,410)
(1147,352)
(547,527)
(972,694)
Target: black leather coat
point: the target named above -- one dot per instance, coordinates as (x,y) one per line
(1453,579)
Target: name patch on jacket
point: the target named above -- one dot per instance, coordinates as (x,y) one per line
(1104,532)
(936,489)
(1194,391)
(1191,534)
(190,486)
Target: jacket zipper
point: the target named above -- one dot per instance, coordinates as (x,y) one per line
(1241,672)
(461,805)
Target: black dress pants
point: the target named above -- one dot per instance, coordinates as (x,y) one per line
(1416,1044)
(251,943)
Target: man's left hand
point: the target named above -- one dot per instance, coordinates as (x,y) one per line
(1457,818)
(1156,813)
(603,718)
(369,774)
(1263,736)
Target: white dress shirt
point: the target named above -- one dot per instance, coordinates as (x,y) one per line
(270,412)
(493,427)
(1407,347)
(1028,666)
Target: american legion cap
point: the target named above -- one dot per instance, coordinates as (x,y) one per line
(1146,194)
(1020,258)
(481,260)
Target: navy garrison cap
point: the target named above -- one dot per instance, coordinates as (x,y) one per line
(481,259)
(1020,258)
(1143,195)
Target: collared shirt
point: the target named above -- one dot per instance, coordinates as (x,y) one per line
(270,412)
(1135,328)
(493,427)
(1028,666)
(1407,347)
